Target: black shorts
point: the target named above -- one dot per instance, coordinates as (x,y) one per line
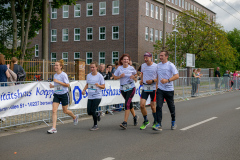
(152,94)
(64,98)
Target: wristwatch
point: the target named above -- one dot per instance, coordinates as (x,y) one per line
(169,81)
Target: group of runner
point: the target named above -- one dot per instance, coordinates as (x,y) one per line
(157,81)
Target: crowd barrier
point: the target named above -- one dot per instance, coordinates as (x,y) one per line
(30,102)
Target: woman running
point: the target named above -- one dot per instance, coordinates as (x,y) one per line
(95,84)
(126,74)
(61,84)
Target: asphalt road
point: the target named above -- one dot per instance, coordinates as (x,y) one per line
(208,129)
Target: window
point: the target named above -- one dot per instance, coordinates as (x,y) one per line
(151,34)
(115,7)
(161,14)
(76,34)
(197,11)
(53,58)
(180,3)
(156,12)
(36,50)
(156,35)
(147,9)
(169,17)
(166,17)
(173,16)
(37,32)
(114,56)
(76,55)
(146,33)
(89,9)
(65,56)
(176,18)
(53,35)
(173,1)
(152,10)
(65,35)
(186,5)
(54,13)
(102,33)
(160,36)
(101,57)
(89,57)
(189,5)
(77,10)
(192,7)
(183,4)
(115,32)
(176,2)
(89,35)
(65,11)
(102,8)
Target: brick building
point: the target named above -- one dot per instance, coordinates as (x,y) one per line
(103,30)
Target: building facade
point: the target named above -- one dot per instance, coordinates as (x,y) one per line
(103,30)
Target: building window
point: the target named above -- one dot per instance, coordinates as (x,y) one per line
(102,33)
(156,35)
(115,7)
(147,9)
(156,12)
(183,4)
(102,8)
(166,16)
(89,57)
(176,19)
(173,16)
(146,33)
(173,1)
(192,7)
(54,13)
(189,5)
(176,2)
(76,34)
(54,35)
(36,50)
(152,10)
(65,56)
(186,5)
(89,36)
(77,10)
(37,32)
(53,58)
(161,14)
(114,56)
(76,55)
(151,34)
(169,17)
(180,3)
(160,36)
(101,57)
(89,9)
(65,35)
(65,11)
(115,32)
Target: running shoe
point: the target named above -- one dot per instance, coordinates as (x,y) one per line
(99,116)
(173,126)
(75,121)
(94,128)
(157,127)
(123,125)
(52,130)
(144,125)
(154,124)
(135,120)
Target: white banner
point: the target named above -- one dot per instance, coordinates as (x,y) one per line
(37,96)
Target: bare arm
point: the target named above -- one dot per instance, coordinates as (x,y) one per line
(7,74)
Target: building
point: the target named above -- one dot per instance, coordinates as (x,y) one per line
(103,30)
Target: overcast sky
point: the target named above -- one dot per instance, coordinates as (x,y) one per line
(225,19)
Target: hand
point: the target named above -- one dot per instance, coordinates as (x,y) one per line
(107,70)
(163,81)
(111,77)
(8,66)
(55,80)
(83,92)
(149,81)
(50,85)
(141,82)
(97,84)
(132,77)
(122,75)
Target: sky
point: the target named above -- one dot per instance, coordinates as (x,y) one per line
(225,19)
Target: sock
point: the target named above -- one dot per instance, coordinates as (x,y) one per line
(145,118)
(124,122)
(155,117)
(173,123)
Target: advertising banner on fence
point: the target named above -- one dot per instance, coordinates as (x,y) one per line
(37,96)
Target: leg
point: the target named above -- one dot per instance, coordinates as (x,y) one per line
(169,95)
(128,103)
(54,114)
(66,111)
(95,105)
(160,100)
(65,101)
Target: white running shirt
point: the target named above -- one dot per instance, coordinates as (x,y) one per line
(92,80)
(149,73)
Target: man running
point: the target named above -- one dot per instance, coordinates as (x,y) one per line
(148,80)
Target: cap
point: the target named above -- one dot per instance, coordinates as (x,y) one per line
(148,54)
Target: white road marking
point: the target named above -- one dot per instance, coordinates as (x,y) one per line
(238,108)
(196,124)
(108,158)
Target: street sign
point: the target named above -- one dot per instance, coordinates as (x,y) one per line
(190,60)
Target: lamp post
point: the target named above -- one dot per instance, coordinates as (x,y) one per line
(175,31)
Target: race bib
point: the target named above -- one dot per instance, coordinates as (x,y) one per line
(58,88)
(92,87)
(127,87)
(148,87)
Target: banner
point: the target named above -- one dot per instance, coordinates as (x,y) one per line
(38,96)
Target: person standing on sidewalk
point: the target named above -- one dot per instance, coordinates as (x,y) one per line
(166,74)
(126,74)
(61,84)
(95,84)
(217,77)
(148,80)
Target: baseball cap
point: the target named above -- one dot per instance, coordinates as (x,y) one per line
(148,54)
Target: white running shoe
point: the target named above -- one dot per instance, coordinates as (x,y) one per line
(52,130)
(75,121)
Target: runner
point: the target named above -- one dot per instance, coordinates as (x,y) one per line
(95,84)
(148,80)
(167,73)
(126,74)
(61,84)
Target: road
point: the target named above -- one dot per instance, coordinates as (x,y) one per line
(208,128)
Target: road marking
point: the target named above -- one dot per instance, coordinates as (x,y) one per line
(196,124)
(238,108)
(108,158)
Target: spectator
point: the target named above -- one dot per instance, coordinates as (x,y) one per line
(226,79)
(109,72)
(217,76)
(115,67)
(130,63)
(194,82)
(198,79)
(21,74)
(235,75)
(4,73)
(102,72)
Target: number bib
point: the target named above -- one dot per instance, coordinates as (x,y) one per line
(126,87)
(58,88)
(92,88)
(148,87)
